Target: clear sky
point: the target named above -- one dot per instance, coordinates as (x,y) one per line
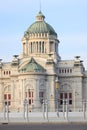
(67,17)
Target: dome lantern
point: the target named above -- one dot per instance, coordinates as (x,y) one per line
(40,17)
(40,26)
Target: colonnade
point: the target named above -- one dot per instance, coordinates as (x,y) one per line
(34,47)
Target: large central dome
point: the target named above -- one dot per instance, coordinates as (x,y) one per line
(40,26)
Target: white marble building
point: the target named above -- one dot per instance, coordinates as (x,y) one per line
(32,74)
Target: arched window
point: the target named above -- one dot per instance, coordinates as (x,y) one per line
(51,46)
(59,70)
(45,34)
(24,48)
(70,70)
(9,72)
(4,72)
(65,70)
(31,47)
(37,46)
(62,70)
(56,47)
(42,47)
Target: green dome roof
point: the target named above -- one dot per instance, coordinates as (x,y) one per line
(32,66)
(40,26)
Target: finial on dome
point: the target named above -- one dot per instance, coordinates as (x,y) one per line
(40,5)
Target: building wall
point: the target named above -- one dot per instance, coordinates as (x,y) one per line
(16,86)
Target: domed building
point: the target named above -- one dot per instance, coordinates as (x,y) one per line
(39,75)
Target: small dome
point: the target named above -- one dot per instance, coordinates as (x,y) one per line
(40,26)
(40,17)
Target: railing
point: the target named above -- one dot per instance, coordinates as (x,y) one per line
(42,112)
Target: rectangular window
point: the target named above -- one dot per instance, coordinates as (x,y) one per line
(29,101)
(61,102)
(9,103)
(70,70)
(29,94)
(62,71)
(70,95)
(9,72)
(70,102)
(67,70)
(37,46)
(4,72)
(42,47)
(51,46)
(41,94)
(61,95)
(6,102)
(65,95)
(9,96)
(31,48)
(59,70)
(5,96)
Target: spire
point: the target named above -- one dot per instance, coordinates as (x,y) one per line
(40,5)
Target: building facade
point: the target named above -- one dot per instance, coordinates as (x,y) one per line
(32,75)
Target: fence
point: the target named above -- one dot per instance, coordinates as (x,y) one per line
(7,113)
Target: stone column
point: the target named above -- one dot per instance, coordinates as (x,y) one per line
(12,94)
(63,108)
(24,81)
(33,47)
(37,102)
(29,48)
(46,103)
(41,46)
(84,109)
(66,109)
(43,109)
(1,93)
(22,90)
(51,93)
